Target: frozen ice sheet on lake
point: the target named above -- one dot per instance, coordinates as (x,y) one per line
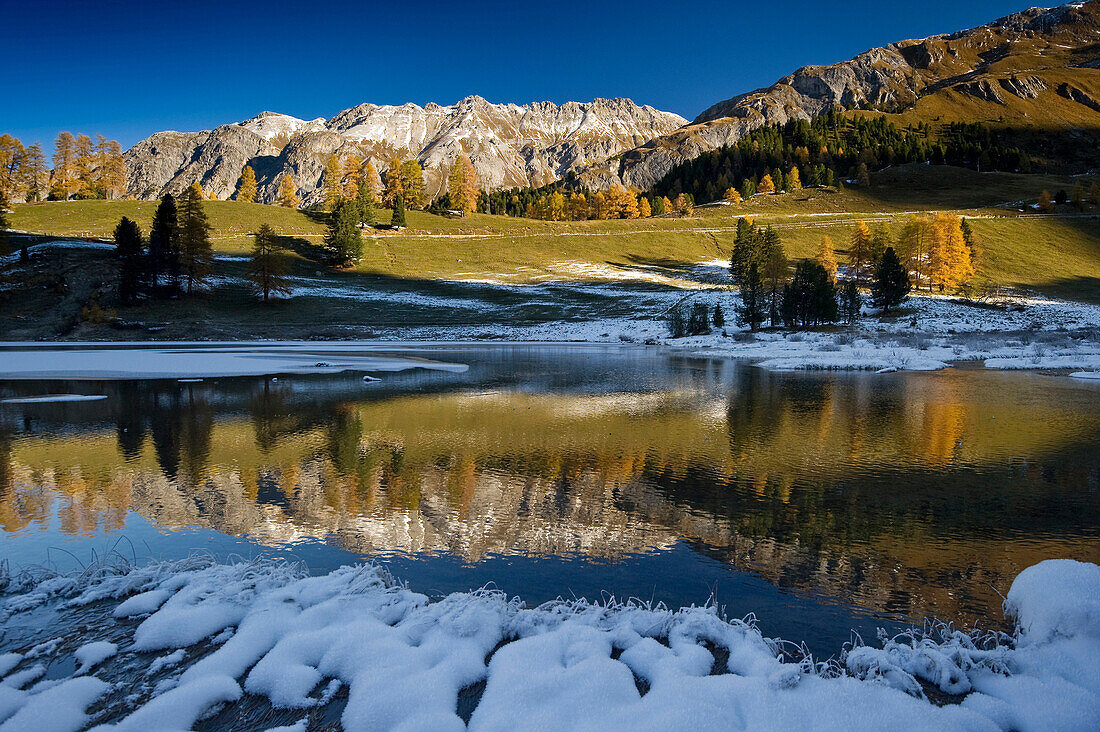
(192,361)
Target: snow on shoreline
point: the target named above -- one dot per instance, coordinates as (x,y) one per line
(190,636)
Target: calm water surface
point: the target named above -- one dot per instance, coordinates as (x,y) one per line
(822,503)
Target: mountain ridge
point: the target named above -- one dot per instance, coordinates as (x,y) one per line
(509,144)
(1035,67)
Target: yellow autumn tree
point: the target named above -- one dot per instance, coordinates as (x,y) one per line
(555,206)
(1045,204)
(577,207)
(766,185)
(246,188)
(462,184)
(330,185)
(371,176)
(350,175)
(288,192)
(826,256)
(950,264)
(732,195)
(644,209)
(794,180)
(683,205)
(859,253)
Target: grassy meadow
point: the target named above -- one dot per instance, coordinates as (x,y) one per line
(1056,254)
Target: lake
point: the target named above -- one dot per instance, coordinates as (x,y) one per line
(822,503)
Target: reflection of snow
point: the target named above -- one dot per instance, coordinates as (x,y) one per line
(296,639)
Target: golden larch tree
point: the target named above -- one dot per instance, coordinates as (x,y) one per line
(644,209)
(330,186)
(246,187)
(85,166)
(950,264)
(732,195)
(353,171)
(63,182)
(826,256)
(394,184)
(794,180)
(288,192)
(766,185)
(859,252)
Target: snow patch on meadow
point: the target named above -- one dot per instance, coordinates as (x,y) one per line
(295,640)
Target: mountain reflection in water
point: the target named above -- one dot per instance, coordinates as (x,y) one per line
(910,495)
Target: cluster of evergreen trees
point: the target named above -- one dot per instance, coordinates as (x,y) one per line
(831,148)
(177,256)
(809,297)
(82,169)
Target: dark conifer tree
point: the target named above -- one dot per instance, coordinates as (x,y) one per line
(699,324)
(267,267)
(164,244)
(195,252)
(366,203)
(719,317)
(850,301)
(398,218)
(129,249)
(753,303)
(890,285)
(343,242)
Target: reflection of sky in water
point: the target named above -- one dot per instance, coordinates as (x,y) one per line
(562,472)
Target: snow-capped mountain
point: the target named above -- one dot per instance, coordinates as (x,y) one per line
(509,144)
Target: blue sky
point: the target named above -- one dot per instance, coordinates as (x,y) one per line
(127,69)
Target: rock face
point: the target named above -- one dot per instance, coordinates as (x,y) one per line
(1006,70)
(509,144)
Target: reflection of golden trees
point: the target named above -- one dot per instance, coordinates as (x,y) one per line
(783,475)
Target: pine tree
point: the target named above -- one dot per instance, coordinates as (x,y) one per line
(130,252)
(196,255)
(246,187)
(398,218)
(719,317)
(880,239)
(677,328)
(365,199)
(890,285)
(775,277)
(751,312)
(810,298)
(164,243)
(850,302)
(63,183)
(343,242)
(859,253)
(288,192)
(267,267)
(826,257)
(699,322)
(330,186)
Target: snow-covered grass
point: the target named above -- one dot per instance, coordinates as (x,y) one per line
(187,638)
